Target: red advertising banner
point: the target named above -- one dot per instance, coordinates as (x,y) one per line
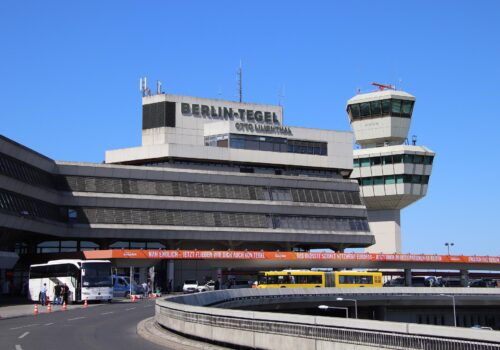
(266,255)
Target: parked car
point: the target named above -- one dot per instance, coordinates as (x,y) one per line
(190,286)
(449,282)
(416,281)
(484,283)
(209,286)
(121,287)
(237,284)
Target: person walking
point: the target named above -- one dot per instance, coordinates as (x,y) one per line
(144,289)
(43,294)
(57,294)
(65,293)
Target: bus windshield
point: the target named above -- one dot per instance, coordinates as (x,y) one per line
(96,274)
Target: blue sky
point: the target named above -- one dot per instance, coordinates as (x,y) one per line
(70,82)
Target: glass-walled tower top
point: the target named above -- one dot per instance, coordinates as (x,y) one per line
(380,118)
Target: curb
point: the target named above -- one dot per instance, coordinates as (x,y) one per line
(151,331)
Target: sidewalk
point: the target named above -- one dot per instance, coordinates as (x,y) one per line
(26,309)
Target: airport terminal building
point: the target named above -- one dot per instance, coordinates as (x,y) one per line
(210,174)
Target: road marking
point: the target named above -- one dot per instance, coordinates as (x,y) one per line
(29,325)
(23,335)
(107,313)
(18,347)
(130,308)
(48,324)
(76,318)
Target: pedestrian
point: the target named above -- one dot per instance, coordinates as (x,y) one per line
(57,294)
(144,289)
(217,285)
(43,294)
(169,287)
(65,293)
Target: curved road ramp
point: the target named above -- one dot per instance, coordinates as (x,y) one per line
(213,317)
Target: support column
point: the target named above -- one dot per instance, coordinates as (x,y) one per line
(464,278)
(170,276)
(386,227)
(408,277)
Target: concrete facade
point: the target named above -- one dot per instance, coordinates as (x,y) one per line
(210,174)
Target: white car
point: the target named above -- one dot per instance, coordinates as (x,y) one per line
(209,286)
(190,286)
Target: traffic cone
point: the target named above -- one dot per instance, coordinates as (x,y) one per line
(85,304)
(35,310)
(64,308)
(49,307)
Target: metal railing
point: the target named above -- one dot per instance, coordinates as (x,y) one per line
(377,339)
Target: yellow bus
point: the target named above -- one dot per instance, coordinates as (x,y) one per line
(318,279)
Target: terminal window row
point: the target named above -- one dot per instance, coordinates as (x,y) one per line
(74,246)
(22,205)
(394,179)
(22,171)
(392,107)
(267,143)
(29,207)
(393,159)
(218,219)
(241,167)
(206,190)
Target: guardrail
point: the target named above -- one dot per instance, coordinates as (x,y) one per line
(263,330)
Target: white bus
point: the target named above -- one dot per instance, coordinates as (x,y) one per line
(86,279)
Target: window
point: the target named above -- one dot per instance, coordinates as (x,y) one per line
(396,108)
(72,214)
(375,107)
(428,160)
(389,180)
(119,245)
(355,111)
(378,180)
(365,162)
(68,246)
(355,163)
(365,109)
(408,158)
(386,106)
(399,179)
(406,109)
(87,245)
(376,160)
(397,158)
(387,159)
(417,159)
(367,181)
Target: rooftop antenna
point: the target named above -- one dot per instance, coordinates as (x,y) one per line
(401,84)
(281,95)
(158,87)
(382,87)
(144,87)
(240,82)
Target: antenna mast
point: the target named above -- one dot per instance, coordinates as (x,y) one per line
(240,82)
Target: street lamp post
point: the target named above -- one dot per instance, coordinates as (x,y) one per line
(448,245)
(454,307)
(326,307)
(355,305)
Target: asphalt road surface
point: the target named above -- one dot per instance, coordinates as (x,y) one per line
(107,326)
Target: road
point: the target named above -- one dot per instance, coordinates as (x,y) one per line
(107,326)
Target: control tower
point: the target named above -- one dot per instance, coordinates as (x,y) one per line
(392,173)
